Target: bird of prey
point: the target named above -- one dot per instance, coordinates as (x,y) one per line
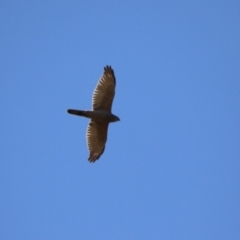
(100,115)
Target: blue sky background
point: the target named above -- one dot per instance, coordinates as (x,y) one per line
(171,165)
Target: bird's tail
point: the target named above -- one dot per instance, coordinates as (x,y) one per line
(76,112)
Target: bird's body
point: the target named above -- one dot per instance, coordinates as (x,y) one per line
(97,115)
(100,115)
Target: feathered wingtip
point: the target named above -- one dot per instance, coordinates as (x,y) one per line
(93,157)
(109,71)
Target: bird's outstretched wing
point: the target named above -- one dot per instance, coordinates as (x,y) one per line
(96,139)
(105,90)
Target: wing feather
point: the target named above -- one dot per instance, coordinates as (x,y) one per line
(96,139)
(105,90)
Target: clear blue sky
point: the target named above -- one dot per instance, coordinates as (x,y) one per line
(171,165)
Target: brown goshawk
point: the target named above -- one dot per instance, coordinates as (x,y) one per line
(100,114)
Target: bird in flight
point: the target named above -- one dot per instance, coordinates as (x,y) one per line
(100,115)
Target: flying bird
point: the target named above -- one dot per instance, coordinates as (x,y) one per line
(100,115)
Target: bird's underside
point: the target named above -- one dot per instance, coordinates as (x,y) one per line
(100,116)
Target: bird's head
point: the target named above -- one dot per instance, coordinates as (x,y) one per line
(115,118)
